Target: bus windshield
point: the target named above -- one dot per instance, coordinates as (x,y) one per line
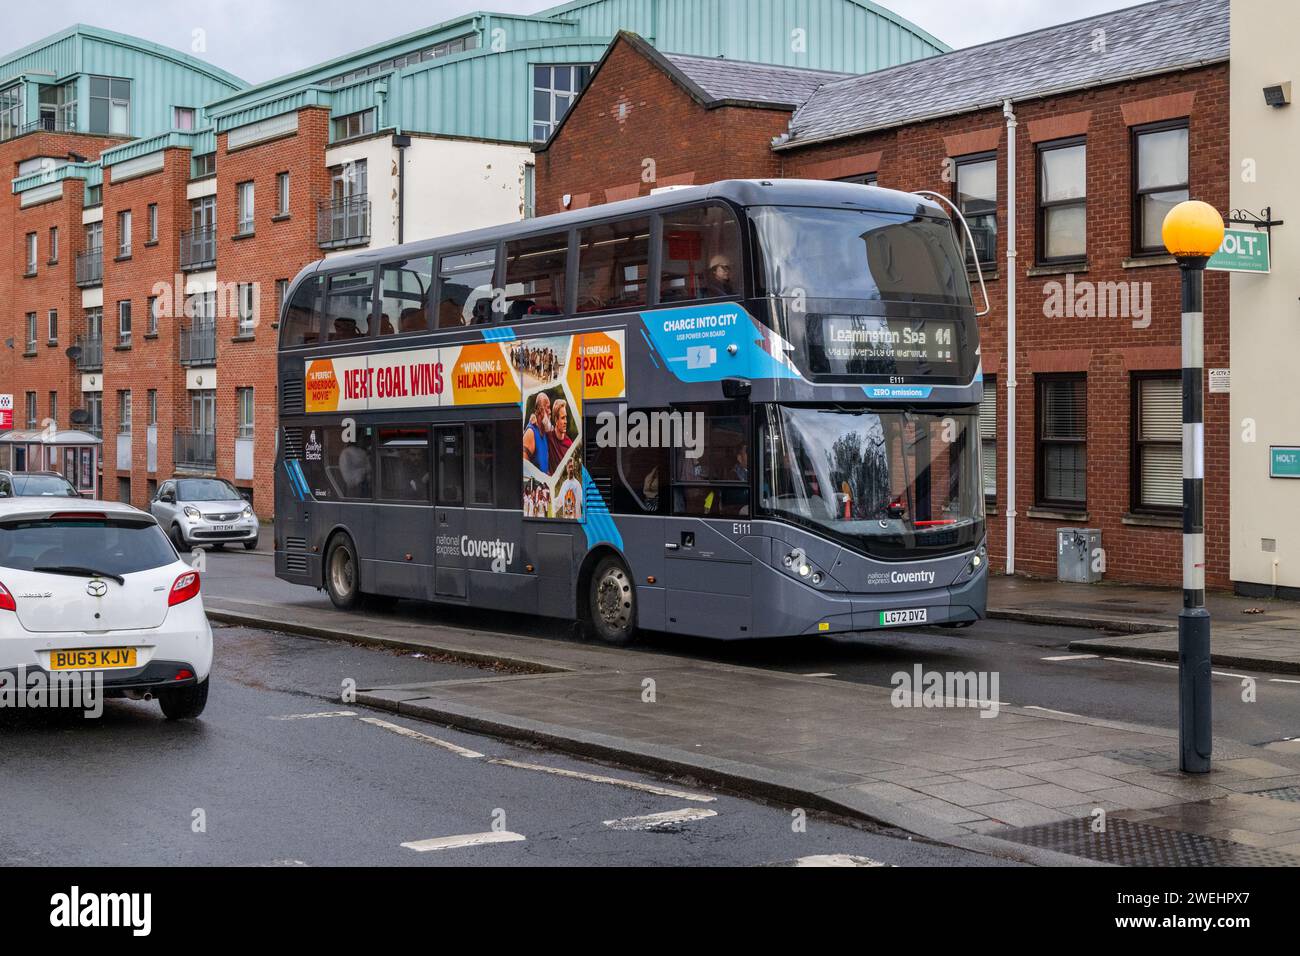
(891,484)
(849,254)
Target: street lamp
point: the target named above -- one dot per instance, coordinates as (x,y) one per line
(1192,232)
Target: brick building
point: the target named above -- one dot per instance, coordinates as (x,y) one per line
(185,200)
(1114,119)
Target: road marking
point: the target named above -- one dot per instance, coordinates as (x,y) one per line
(1282,680)
(597,778)
(661,821)
(466,839)
(1048,710)
(819,675)
(1134,660)
(423,738)
(1072,657)
(1226,674)
(835,859)
(323,713)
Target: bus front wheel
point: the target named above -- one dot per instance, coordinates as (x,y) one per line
(342,579)
(613,602)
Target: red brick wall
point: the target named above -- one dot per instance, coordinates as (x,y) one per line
(633,115)
(151,361)
(278,250)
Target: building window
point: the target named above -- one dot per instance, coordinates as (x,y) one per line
(94,406)
(282,194)
(1063,201)
(245,399)
(124,411)
(554,90)
(30,268)
(52,323)
(281,294)
(153,222)
(54,244)
(124,322)
(110,105)
(1062,479)
(247,301)
(31,333)
(244,193)
(124,234)
(12,111)
(354,124)
(977,198)
(152,397)
(203,166)
(1160,180)
(183,117)
(94,237)
(988,423)
(1157,452)
(54,408)
(863,179)
(31,410)
(151,316)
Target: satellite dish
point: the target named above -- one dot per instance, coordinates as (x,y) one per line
(73,352)
(79,416)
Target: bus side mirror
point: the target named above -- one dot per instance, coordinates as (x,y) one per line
(736,387)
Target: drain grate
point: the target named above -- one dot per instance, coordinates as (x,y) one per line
(1151,759)
(1126,843)
(1289,794)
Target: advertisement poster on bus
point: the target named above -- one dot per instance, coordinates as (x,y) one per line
(556,375)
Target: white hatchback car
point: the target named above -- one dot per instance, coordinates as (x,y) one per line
(96,587)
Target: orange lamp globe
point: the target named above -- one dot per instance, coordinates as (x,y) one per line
(1193,229)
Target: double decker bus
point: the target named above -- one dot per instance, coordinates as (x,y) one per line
(747,409)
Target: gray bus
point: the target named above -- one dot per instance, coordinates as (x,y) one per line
(739,410)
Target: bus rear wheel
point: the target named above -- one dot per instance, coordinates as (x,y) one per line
(342,579)
(612,606)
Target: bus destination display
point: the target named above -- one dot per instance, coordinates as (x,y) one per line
(864,344)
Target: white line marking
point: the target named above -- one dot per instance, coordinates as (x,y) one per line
(819,675)
(323,713)
(424,738)
(1226,674)
(1282,680)
(1048,710)
(1072,657)
(466,839)
(836,859)
(661,821)
(597,778)
(1134,660)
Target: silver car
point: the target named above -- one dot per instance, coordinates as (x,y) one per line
(204,511)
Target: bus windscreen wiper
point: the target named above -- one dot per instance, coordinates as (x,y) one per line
(82,572)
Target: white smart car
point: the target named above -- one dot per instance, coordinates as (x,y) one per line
(95,586)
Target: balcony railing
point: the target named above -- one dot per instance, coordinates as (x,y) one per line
(91,358)
(47,124)
(199,343)
(343,222)
(90,267)
(199,248)
(195,451)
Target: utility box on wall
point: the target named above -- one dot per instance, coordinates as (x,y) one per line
(1078,555)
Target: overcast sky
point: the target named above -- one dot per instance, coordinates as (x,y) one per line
(261,39)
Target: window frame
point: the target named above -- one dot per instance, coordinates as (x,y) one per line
(32,253)
(990,386)
(282,185)
(245,400)
(1135,134)
(553,121)
(1137,444)
(54,246)
(1041,206)
(52,327)
(972,159)
(124,336)
(247,188)
(125,233)
(1041,445)
(712,411)
(151,223)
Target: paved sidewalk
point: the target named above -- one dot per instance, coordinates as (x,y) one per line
(1256,633)
(1025,783)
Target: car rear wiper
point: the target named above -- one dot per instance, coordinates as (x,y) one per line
(82,572)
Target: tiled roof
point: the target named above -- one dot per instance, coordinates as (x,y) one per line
(735,81)
(1152,38)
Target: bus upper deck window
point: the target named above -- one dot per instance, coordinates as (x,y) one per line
(612,265)
(536,270)
(404,297)
(302,317)
(468,279)
(349,305)
(701,255)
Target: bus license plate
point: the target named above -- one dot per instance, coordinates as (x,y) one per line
(94,658)
(910,616)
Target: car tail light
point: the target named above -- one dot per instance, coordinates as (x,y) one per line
(185,587)
(183,674)
(7,600)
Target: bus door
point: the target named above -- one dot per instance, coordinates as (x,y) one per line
(403,538)
(450,580)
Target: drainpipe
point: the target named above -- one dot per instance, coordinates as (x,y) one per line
(1010,116)
(401,141)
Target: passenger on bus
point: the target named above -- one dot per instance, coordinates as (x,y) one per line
(354,469)
(718,282)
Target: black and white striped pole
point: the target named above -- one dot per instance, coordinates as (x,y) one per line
(1193,232)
